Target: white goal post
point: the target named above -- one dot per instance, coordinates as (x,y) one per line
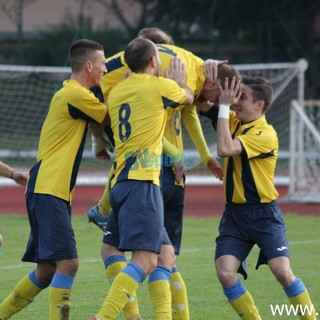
(304,183)
(26,92)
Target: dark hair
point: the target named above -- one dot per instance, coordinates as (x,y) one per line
(81,51)
(227,71)
(138,54)
(261,90)
(156,35)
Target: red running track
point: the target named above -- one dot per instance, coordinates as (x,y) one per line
(200,201)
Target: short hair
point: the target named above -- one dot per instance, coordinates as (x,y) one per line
(156,35)
(227,71)
(138,54)
(81,51)
(261,90)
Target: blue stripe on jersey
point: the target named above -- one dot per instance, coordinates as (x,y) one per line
(114,64)
(169,103)
(98,93)
(166,50)
(77,161)
(75,113)
(250,190)
(125,171)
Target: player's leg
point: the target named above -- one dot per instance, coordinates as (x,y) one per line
(238,296)
(27,289)
(173,199)
(293,287)
(159,281)
(58,246)
(114,261)
(140,226)
(277,255)
(230,254)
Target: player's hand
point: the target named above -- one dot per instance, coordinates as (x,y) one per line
(20,177)
(178,172)
(231,93)
(203,106)
(177,72)
(210,68)
(215,168)
(100,147)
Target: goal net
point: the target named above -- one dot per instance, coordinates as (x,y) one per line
(304,185)
(26,93)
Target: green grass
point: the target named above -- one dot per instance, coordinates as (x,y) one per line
(195,263)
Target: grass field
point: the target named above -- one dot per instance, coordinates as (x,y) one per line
(195,263)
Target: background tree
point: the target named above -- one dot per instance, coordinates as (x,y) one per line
(14,11)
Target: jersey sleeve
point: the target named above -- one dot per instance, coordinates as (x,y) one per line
(259,143)
(84,105)
(192,123)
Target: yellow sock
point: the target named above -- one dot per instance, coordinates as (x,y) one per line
(242,301)
(160,293)
(180,307)
(299,297)
(59,296)
(123,289)
(245,307)
(59,303)
(160,296)
(21,296)
(131,309)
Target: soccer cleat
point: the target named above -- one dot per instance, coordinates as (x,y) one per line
(95,217)
(94,318)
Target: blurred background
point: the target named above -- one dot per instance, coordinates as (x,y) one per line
(39,32)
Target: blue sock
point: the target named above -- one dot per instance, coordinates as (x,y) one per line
(234,292)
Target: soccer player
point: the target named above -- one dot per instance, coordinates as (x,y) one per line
(172,176)
(51,185)
(8,172)
(138,116)
(252,216)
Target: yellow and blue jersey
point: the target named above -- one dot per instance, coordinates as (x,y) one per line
(117,69)
(137,108)
(249,177)
(62,140)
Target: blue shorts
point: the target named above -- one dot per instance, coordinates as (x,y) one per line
(173,201)
(52,236)
(243,226)
(136,219)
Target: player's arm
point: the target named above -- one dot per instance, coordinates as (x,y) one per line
(173,151)
(226,145)
(8,172)
(192,123)
(177,73)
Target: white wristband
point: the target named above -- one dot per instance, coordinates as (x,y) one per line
(224,111)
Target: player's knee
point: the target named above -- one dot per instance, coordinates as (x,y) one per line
(284,276)
(167,257)
(226,277)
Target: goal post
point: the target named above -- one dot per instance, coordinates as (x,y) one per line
(304,182)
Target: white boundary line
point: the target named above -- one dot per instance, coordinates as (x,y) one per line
(21,265)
